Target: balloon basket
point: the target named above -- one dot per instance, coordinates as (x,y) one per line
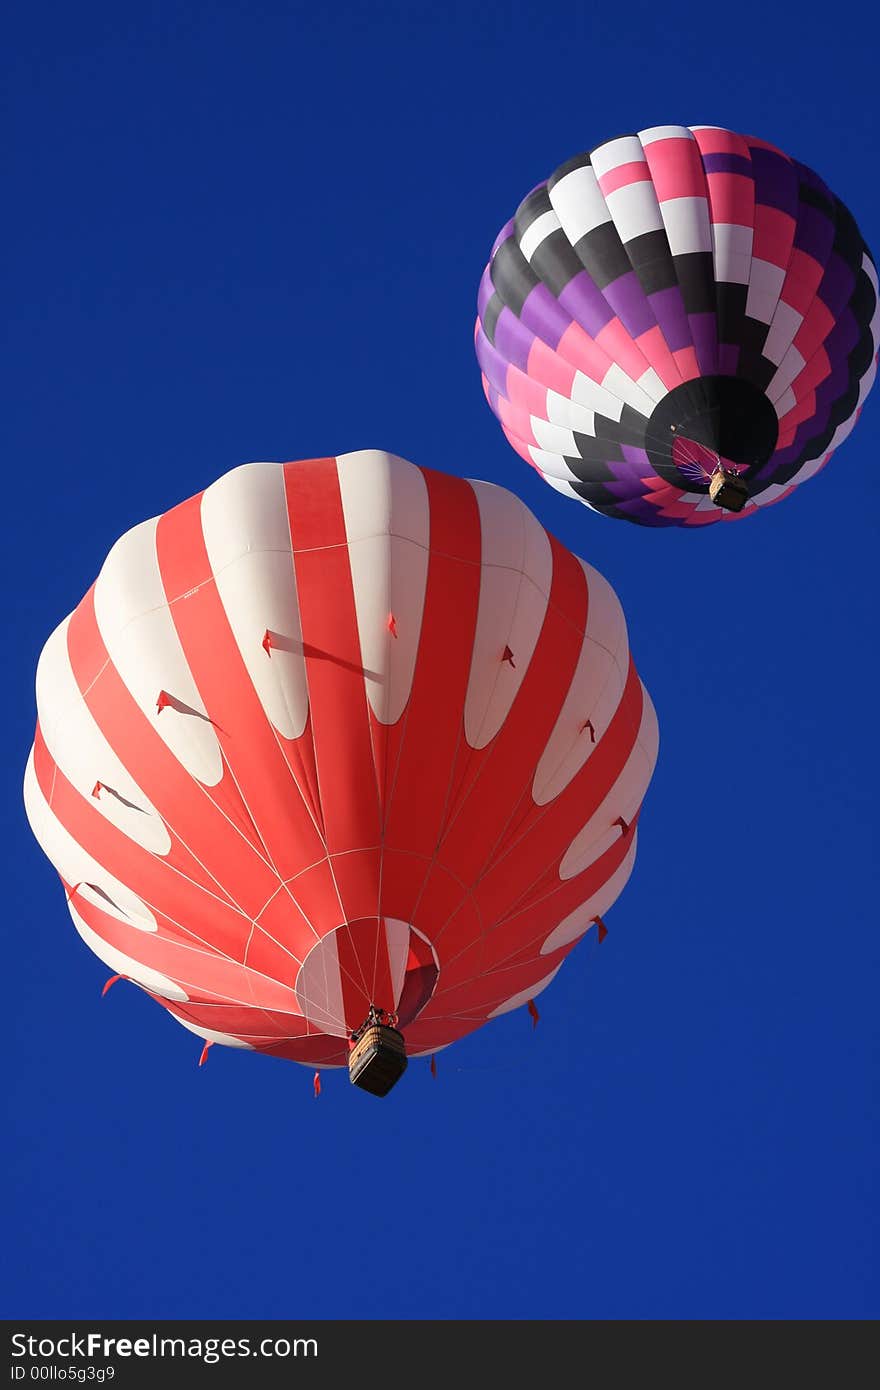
(378,1059)
(728,491)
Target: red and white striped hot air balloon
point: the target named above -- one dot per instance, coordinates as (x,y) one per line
(336,734)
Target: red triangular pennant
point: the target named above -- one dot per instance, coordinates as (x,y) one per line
(533,1013)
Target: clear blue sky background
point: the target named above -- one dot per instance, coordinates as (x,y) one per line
(254,230)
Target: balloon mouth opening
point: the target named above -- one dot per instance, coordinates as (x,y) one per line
(371,962)
(711,426)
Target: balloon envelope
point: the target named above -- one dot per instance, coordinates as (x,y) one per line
(675,303)
(336,733)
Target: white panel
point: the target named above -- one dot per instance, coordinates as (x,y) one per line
(553,438)
(397,934)
(83,754)
(588,393)
(624,799)
(578,203)
(515,579)
(569,414)
(626,150)
(786,322)
(210,1035)
(619,384)
(765,287)
(560,485)
(138,631)
(122,964)
(247,537)
(790,367)
(579,921)
(650,383)
(387,520)
(687,225)
(538,231)
(732,246)
(664,132)
(551,465)
(786,402)
(594,693)
(319,988)
(75,865)
(517,1000)
(635,210)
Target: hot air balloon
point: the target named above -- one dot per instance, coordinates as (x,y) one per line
(679,327)
(337,750)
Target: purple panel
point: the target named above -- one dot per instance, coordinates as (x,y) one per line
(512,339)
(814,233)
(485,292)
(543,314)
(727,164)
(492,364)
(668,307)
(728,358)
(505,233)
(837,284)
(627,298)
(776,181)
(638,458)
(704,332)
(586,304)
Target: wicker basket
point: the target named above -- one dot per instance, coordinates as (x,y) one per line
(378,1059)
(728,491)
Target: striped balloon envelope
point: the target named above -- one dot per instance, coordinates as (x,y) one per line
(678,327)
(335,734)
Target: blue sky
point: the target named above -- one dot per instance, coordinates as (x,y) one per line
(255,231)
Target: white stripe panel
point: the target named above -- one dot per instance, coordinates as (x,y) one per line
(75,865)
(765,287)
(871,271)
(538,231)
(786,322)
(635,210)
(619,384)
(579,921)
(138,631)
(650,383)
(397,935)
(83,754)
(553,466)
(664,132)
(790,367)
(387,520)
(210,1034)
(786,402)
(567,491)
(588,393)
(578,203)
(319,988)
(624,799)
(625,150)
(515,579)
(570,415)
(517,1000)
(247,536)
(732,250)
(122,964)
(594,693)
(553,438)
(687,225)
